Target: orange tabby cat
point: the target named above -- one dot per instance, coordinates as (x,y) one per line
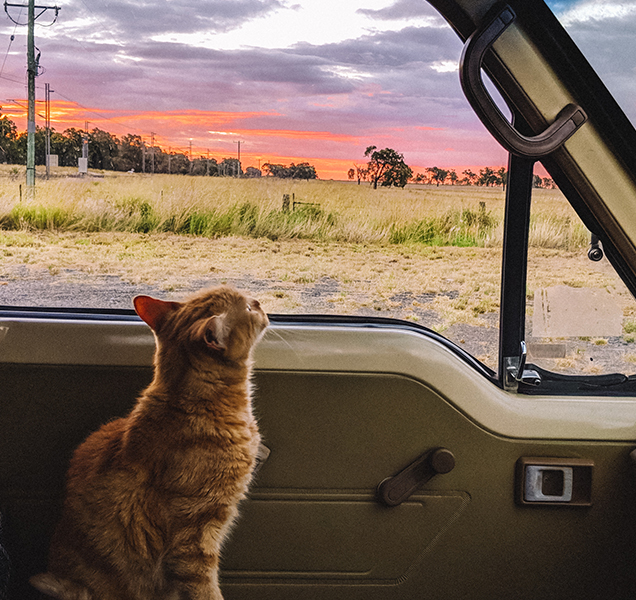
(151,497)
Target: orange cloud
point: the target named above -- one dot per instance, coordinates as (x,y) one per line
(295,134)
(66,114)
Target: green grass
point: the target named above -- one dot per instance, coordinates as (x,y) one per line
(461,228)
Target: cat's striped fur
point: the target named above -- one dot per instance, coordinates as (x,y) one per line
(151,497)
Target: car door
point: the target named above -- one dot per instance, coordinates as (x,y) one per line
(398,466)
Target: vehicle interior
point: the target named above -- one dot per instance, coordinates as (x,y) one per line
(400,466)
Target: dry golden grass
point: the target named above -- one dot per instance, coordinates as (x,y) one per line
(348,212)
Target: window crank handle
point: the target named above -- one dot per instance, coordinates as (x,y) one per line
(392,491)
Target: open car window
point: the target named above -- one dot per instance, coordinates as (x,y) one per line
(580,313)
(428,254)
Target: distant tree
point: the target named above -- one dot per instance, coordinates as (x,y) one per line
(230,167)
(102,149)
(8,137)
(58,142)
(469,178)
(130,156)
(68,146)
(211,167)
(387,167)
(351,173)
(437,175)
(362,173)
(274,170)
(20,146)
(178,163)
(426,177)
(252,172)
(160,159)
(452,175)
(502,176)
(487,177)
(300,171)
(198,166)
(398,176)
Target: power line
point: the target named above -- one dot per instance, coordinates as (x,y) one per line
(106,29)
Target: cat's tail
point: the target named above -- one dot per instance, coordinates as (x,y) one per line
(63,589)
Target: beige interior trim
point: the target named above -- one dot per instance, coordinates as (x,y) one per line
(341,349)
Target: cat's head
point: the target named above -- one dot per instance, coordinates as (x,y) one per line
(222,322)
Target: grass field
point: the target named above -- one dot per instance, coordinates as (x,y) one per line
(325,211)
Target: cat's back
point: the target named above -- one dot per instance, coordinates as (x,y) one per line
(100,453)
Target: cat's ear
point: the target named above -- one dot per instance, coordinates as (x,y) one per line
(214,333)
(152,310)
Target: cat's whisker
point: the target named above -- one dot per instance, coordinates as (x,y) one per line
(282,338)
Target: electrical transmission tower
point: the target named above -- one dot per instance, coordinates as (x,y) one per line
(32,71)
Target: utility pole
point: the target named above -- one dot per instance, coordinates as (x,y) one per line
(32,68)
(82,163)
(47,119)
(32,72)
(239,159)
(152,149)
(85,144)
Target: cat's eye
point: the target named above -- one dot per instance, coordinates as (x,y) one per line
(249,308)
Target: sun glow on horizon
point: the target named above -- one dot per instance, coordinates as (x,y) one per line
(216,134)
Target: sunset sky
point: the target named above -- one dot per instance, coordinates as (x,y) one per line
(305,80)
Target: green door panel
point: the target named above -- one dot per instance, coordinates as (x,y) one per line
(312,529)
(335,537)
(339,349)
(348,431)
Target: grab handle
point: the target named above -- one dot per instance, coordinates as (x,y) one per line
(566,123)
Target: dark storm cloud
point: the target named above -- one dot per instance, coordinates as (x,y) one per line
(401,9)
(389,49)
